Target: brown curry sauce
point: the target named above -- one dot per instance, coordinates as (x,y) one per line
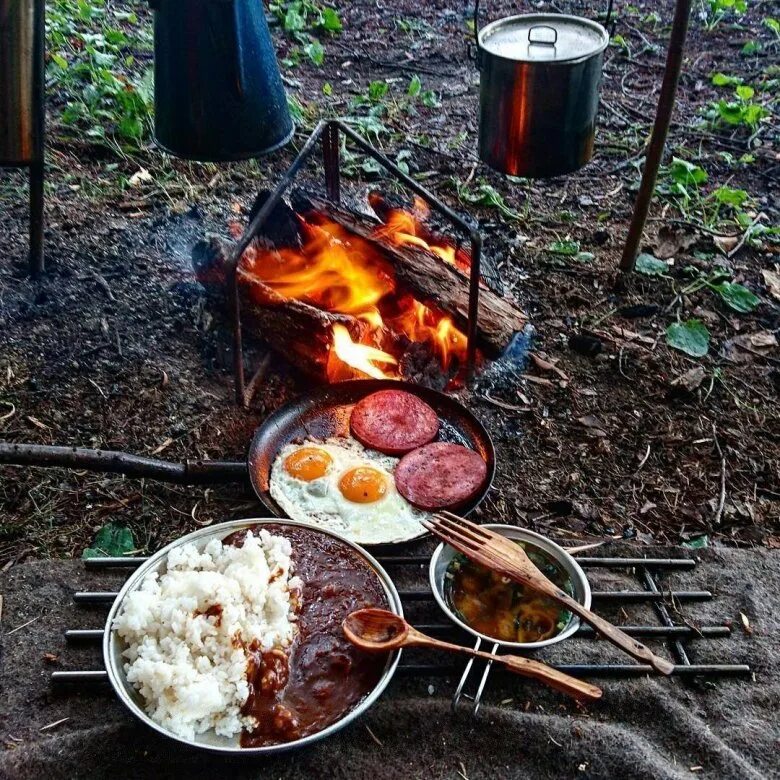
(325,676)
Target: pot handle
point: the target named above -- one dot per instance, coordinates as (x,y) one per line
(542,41)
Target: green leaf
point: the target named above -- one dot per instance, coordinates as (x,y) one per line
(294,20)
(650,266)
(315,52)
(722,80)
(773,25)
(59,60)
(430,99)
(730,197)
(327,89)
(744,92)
(330,20)
(737,297)
(415,85)
(377,90)
(751,47)
(699,543)
(687,173)
(111,541)
(691,337)
(569,248)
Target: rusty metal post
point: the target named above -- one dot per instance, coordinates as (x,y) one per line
(663,118)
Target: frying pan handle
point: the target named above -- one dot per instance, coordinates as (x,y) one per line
(205,471)
(113,462)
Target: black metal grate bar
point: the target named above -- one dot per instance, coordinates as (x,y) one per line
(475,675)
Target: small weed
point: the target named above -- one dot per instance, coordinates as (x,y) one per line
(742,111)
(713,12)
(107,95)
(303,21)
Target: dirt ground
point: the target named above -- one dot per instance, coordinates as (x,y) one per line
(116,347)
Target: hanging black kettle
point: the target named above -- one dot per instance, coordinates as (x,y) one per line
(218,92)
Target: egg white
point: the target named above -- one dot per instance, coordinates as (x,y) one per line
(390,519)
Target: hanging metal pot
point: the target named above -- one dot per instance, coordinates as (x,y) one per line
(539,92)
(218,93)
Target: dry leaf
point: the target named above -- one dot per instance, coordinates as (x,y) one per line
(772,282)
(139,177)
(726,244)
(37,423)
(690,380)
(739,349)
(671,241)
(167,443)
(593,424)
(745,624)
(50,658)
(547,365)
(630,335)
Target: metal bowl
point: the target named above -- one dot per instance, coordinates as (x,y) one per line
(444,554)
(113,645)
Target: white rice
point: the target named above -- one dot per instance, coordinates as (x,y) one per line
(191,668)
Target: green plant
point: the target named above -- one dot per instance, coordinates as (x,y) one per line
(303,21)
(741,111)
(484,194)
(107,95)
(715,11)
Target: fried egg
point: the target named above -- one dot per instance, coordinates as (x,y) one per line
(340,485)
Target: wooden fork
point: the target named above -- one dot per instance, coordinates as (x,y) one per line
(503,555)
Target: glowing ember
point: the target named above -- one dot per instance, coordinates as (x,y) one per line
(339,271)
(361,357)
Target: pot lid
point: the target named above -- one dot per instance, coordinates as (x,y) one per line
(543,38)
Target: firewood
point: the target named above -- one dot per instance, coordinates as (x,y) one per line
(432,281)
(297,330)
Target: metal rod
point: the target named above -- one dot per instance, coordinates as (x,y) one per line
(584,632)
(465,676)
(666,619)
(331,162)
(246,239)
(84,635)
(38,133)
(80,676)
(660,563)
(424,594)
(577,670)
(663,118)
(423,560)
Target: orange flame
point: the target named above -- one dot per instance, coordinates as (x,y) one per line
(405,227)
(361,357)
(339,271)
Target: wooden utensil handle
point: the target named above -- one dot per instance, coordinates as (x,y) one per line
(614,634)
(564,683)
(515,663)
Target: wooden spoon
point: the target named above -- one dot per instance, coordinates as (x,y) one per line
(377,630)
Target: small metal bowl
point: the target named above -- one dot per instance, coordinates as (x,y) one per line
(113,645)
(444,554)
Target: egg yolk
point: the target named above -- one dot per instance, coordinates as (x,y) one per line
(307,463)
(363,485)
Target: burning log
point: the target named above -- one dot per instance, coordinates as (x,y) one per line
(293,328)
(432,281)
(337,292)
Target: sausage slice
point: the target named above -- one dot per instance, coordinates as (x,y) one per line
(393,421)
(440,475)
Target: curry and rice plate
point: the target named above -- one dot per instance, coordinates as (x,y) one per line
(242,637)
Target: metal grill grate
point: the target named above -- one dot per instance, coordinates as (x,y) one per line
(472,682)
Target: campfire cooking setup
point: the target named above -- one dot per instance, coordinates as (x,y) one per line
(264,634)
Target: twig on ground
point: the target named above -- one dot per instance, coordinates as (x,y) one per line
(722,498)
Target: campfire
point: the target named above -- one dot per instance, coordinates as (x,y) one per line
(344,295)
